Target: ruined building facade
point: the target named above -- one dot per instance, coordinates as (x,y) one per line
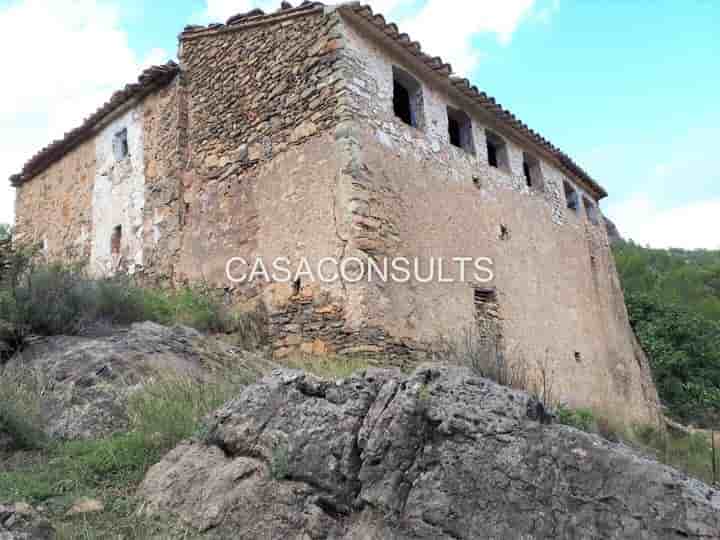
(322,131)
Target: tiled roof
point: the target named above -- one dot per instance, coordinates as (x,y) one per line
(160,75)
(150,79)
(488,103)
(256,16)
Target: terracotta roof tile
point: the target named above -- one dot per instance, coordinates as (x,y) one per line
(149,80)
(159,75)
(486,102)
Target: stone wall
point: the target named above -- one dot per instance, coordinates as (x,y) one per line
(278,139)
(165,127)
(54,209)
(415,195)
(118,195)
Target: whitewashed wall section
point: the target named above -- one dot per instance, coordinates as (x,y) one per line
(119,196)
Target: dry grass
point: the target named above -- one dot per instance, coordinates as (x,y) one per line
(330,366)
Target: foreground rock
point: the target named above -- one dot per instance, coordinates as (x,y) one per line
(85,382)
(441,454)
(22,522)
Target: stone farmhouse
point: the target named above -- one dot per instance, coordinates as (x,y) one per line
(323,131)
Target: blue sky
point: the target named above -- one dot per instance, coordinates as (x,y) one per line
(629,88)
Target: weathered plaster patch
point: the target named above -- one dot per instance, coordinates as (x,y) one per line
(119,197)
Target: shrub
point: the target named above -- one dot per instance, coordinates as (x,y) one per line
(582,419)
(55,299)
(162,413)
(20,391)
(171,409)
(5,231)
(280,462)
(484,356)
(330,366)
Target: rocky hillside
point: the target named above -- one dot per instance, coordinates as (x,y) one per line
(87,380)
(439,454)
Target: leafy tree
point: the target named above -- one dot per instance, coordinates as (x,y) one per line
(673,299)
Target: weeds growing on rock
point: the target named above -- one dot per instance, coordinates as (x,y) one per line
(330,366)
(47,299)
(20,391)
(280,462)
(161,414)
(582,419)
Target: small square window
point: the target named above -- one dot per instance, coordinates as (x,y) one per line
(460,130)
(120,145)
(591,211)
(571,196)
(497,151)
(532,172)
(407,98)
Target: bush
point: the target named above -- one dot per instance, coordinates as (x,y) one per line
(171,409)
(162,413)
(485,357)
(20,391)
(331,366)
(690,452)
(56,299)
(582,419)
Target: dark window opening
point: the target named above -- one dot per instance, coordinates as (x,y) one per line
(526,172)
(460,130)
(485,295)
(407,98)
(591,211)
(496,151)
(532,172)
(571,196)
(401,102)
(504,232)
(578,357)
(116,240)
(297,285)
(120,145)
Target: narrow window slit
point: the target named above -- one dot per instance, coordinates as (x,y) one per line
(116,240)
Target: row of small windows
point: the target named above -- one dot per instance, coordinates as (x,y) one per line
(573,202)
(407,104)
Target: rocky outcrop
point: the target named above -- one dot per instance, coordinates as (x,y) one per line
(22,522)
(439,454)
(86,381)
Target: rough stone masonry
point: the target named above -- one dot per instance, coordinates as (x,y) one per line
(322,131)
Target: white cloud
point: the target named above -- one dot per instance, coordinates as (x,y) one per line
(448,31)
(221,10)
(62,59)
(690,226)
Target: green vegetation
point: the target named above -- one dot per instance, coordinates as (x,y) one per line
(673,299)
(689,452)
(162,414)
(53,299)
(329,366)
(20,393)
(5,231)
(582,419)
(280,461)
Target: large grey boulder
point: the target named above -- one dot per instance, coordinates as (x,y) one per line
(85,382)
(439,454)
